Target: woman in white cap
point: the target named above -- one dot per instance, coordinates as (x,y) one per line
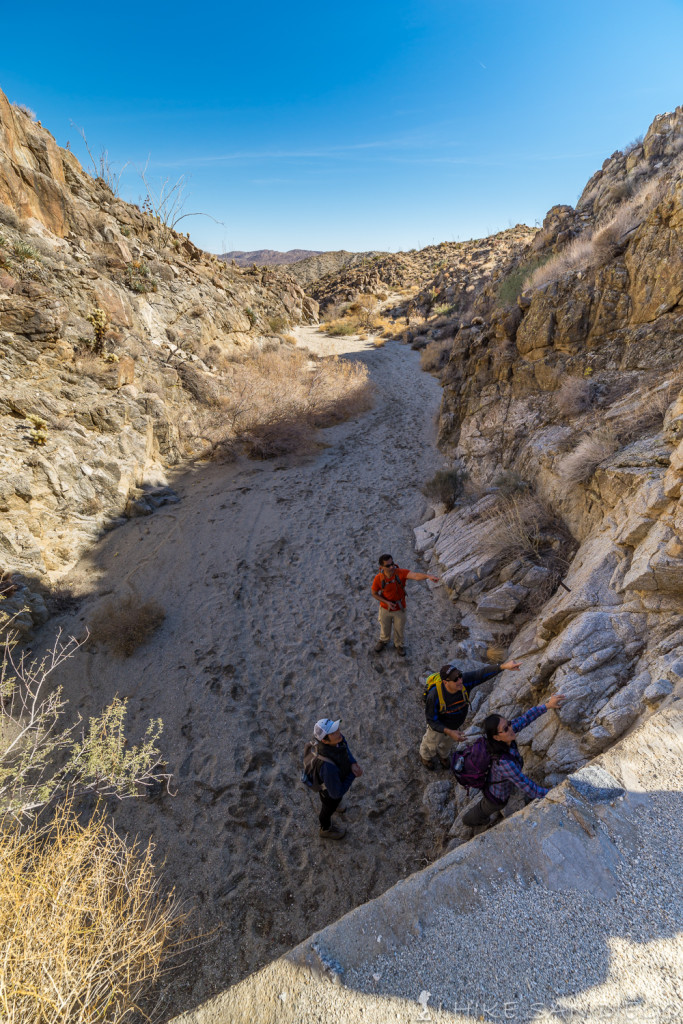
(337,768)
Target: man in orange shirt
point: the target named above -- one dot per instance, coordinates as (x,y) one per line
(388,587)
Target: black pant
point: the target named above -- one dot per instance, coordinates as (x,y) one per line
(481,812)
(329,806)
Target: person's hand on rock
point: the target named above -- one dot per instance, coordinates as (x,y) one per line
(511,664)
(556,701)
(356,770)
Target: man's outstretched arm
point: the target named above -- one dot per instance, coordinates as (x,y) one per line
(422,576)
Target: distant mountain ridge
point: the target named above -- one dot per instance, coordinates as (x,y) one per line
(268,257)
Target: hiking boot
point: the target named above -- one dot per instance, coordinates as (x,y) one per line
(380,645)
(333,832)
(401,651)
(445,762)
(428,763)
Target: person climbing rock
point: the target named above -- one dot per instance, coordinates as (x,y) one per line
(337,769)
(506,772)
(447,702)
(388,587)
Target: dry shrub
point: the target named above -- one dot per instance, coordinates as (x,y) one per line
(578,466)
(84,925)
(434,355)
(123,625)
(574,396)
(594,249)
(275,400)
(519,525)
(446,486)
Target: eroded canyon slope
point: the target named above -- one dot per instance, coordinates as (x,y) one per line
(88,438)
(563,413)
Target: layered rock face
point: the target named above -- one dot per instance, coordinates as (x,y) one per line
(565,410)
(88,435)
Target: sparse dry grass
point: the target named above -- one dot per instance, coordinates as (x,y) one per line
(273,402)
(596,248)
(123,625)
(579,465)
(84,925)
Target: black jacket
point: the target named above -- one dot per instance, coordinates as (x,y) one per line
(458,703)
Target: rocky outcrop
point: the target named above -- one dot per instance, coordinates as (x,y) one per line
(91,428)
(572,398)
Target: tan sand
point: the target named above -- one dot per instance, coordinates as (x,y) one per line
(264,571)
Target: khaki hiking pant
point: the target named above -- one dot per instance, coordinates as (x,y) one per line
(435,744)
(386,619)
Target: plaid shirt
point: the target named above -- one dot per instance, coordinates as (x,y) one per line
(506,771)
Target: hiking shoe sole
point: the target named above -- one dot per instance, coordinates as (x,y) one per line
(379,647)
(333,832)
(401,651)
(428,764)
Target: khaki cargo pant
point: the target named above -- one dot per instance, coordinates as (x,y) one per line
(435,744)
(386,619)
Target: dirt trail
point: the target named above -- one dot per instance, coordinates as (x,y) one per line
(264,571)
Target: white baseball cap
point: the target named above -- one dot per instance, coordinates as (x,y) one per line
(324,727)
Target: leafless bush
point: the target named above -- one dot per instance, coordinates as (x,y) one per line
(84,924)
(574,396)
(123,625)
(23,109)
(578,466)
(519,525)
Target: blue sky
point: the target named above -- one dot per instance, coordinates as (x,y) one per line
(357,125)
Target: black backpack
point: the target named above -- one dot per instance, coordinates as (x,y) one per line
(310,776)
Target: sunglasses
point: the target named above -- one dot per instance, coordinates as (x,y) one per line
(389,565)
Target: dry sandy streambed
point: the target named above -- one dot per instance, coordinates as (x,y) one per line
(264,571)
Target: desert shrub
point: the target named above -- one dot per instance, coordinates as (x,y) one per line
(510,288)
(23,109)
(95,923)
(278,324)
(342,329)
(284,392)
(139,279)
(434,355)
(446,486)
(23,251)
(575,395)
(579,465)
(41,760)
(99,320)
(519,525)
(250,315)
(123,625)
(289,339)
(508,483)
